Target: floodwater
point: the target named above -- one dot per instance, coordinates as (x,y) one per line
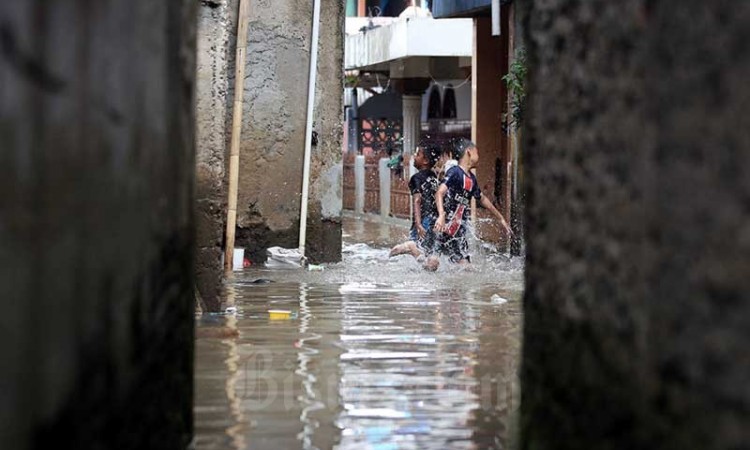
(374,354)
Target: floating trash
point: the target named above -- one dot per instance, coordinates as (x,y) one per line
(238,258)
(256,281)
(279,314)
(284,258)
(497,300)
(315,268)
(231,310)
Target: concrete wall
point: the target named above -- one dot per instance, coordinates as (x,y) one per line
(273,132)
(326,189)
(637,309)
(96,201)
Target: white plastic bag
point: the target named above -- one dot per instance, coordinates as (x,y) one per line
(284,258)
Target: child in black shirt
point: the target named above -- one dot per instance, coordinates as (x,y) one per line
(422,186)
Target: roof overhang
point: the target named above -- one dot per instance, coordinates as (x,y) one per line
(463,8)
(407,39)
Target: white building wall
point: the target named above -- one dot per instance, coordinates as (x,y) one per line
(463,98)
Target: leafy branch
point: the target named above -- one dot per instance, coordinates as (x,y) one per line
(515,81)
(351,81)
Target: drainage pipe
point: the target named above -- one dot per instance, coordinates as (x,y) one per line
(308,127)
(496,29)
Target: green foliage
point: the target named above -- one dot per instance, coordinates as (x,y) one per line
(515,80)
(351,81)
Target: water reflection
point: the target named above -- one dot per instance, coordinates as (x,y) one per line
(233,364)
(375,354)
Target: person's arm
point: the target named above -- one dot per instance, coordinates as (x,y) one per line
(439,196)
(486,203)
(418,214)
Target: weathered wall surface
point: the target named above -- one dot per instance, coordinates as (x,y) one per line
(490,107)
(273,134)
(637,306)
(96,192)
(213,124)
(326,171)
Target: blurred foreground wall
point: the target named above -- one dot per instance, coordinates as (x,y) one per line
(637,306)
(96,175)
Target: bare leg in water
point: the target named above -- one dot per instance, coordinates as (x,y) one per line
(407,248)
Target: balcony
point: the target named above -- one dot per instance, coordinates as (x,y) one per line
(408,39)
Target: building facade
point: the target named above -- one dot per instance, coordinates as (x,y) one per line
(413,73)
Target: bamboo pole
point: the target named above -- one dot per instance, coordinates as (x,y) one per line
(234,153)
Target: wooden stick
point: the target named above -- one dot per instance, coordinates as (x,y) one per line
(234,153)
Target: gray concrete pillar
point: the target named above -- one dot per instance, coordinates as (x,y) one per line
(96,244)
(275,100)
(412,122)
(359,184)
(326,174)
(385,187)
(212,136)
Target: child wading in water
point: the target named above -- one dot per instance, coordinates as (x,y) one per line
(422,186)
(453,201)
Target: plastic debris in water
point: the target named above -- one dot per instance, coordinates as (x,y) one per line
(231,310)
(256,281)
(315,268)
(497,300)
(284,258)
(279,314)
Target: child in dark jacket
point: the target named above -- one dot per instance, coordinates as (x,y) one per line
(422,186)
(453,202)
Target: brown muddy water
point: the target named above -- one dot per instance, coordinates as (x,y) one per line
(375,354)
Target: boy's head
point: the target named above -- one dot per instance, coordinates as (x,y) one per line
(466,151)
(427,155)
